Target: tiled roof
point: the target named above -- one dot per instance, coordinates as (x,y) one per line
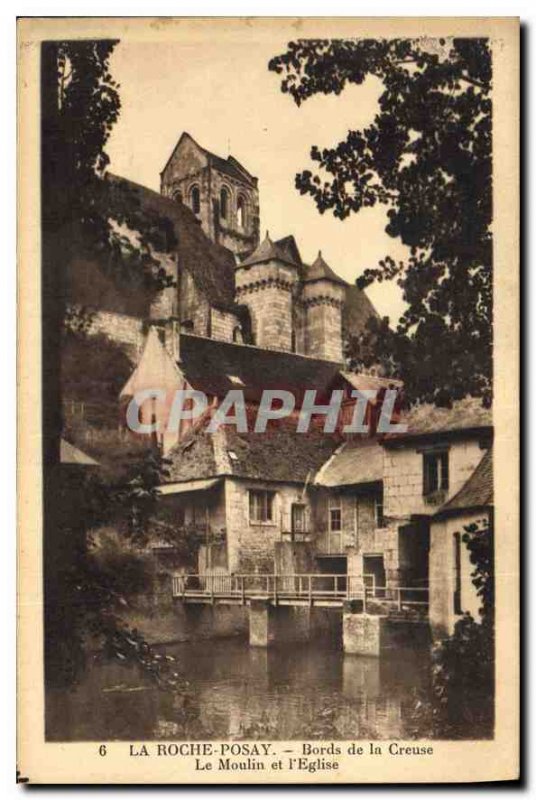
(477,491)
(357,310)
(356,461)
(210,365)
(270,251)
(230,165)
(426,419)
(279,454)
(320,271)
(289,246)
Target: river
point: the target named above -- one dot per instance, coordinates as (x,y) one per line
(228,690)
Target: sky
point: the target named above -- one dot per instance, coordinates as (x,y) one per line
(226,98)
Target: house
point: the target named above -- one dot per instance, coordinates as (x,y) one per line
(452,592)
(249,314)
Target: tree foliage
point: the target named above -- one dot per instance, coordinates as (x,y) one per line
(81,104)
(426,157)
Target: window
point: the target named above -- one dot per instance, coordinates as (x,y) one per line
(457,574)
(378,511)
(195,199)
(237,335)
(261,506)
(435,472)
(299,519)
(224,203)
(177,197)
(241,212)
(335,517)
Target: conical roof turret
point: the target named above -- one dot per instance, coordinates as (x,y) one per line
(268,251)
(321,271)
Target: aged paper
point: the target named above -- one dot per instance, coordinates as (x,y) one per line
(261,537)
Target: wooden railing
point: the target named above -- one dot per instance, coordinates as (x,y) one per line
(396,600)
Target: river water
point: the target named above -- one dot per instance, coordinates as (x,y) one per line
(231,691)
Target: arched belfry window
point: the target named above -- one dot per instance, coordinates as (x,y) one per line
(195,199)
(177,196)
(224,203)
(241,212)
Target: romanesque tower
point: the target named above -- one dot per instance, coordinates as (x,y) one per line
(322,300)
(266,283)
(223,195)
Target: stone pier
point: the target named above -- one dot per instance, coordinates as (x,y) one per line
(272,625)
(373,634)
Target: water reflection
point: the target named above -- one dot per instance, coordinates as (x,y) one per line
(230,690)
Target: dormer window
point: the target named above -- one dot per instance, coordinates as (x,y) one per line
(224,203)
(195,199)
(241,212)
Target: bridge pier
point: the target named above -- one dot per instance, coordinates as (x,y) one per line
(272,625)
(373,634)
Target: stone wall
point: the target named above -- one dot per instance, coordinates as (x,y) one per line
(223,325)
(194,308)
(403,477)
(377,541)
(323,332)
(442,575)
(121,328)
(251,545)
(267,291)
(323,303)
(162,620)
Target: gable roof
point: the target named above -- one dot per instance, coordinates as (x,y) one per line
(230,166)
(356,461)
(280,454)
(321,271)
(477,491)
(426,419)
(210,364)
(156,368)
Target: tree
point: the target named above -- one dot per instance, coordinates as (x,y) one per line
(463,674)
(80,103)
(426,157)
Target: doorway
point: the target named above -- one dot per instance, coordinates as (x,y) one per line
(374,573)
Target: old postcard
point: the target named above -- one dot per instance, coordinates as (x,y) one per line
(268,397)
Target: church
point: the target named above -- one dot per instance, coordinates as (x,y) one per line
(245,311)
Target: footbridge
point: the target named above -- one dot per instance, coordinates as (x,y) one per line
(290,607)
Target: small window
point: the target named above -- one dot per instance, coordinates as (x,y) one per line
(457,574)
(237,335)
(195,199)
(435,472)
(299,518)
(261,506)
(378,511)
(224,203)
(335,518)
(177,196)
(241,212)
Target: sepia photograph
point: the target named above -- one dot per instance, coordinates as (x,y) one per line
(270,390)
